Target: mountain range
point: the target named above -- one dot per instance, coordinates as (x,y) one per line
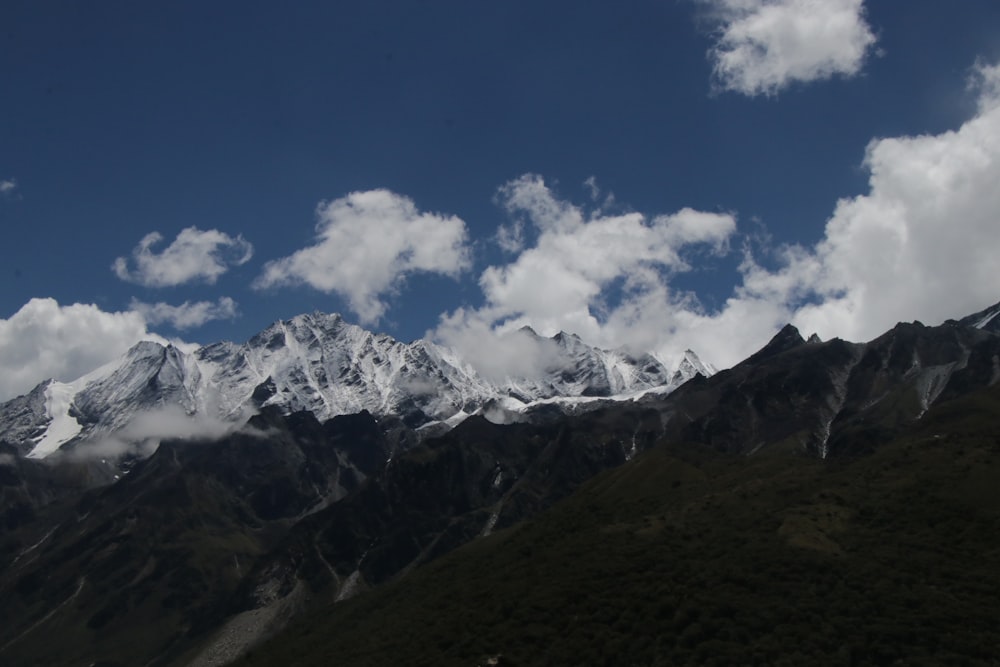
(322,364)
(492,521)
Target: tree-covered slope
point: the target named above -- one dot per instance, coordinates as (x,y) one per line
(686,556)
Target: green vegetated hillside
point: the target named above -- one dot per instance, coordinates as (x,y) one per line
(689,557)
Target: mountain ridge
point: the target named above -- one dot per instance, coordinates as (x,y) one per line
(320,363)
(209,545)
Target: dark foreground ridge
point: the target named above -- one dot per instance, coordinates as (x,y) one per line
(685,556)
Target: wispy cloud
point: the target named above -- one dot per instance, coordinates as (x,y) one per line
(194,256)
(763,46)
(8,187)
(148,429)
(366,244)
(188,315)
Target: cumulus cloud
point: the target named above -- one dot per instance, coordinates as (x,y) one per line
(45,340)
(188,315)
(195,255)
(366,244)
(921,243)
(586,274)
(763,46)
(8,186)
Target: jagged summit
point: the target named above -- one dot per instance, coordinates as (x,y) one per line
(320,363)
(786,339)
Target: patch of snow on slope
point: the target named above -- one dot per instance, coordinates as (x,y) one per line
(63,427)
(986,320)
(931,383)
(58,399)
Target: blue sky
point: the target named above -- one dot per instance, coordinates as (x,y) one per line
(662,174)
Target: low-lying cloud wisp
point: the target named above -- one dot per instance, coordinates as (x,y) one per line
(144,433)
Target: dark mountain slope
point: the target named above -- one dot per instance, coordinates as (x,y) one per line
(449,490)
(140,569)
(686,556)
(207,546)
(834,398)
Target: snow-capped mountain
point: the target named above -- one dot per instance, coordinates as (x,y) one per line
(320,363)
(245,530)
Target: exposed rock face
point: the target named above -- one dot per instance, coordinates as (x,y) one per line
(25,419)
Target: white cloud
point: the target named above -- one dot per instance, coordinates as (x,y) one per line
(45,340)
(7,187)
(195,255)
(188,315)
(763,46)
(922,243)
(367,243)
(985,80)
(510,237)
(497,354)
(600,276)
(148,429)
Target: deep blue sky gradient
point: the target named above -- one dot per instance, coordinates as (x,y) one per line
(120,118)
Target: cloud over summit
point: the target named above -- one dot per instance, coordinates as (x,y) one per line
(595,274)
(45,340)
(366,244)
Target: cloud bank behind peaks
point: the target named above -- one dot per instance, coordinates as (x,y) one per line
(762,46)
(194,256)
(603,277)
(188,315)
(921,243)
(45,340)
(366,244)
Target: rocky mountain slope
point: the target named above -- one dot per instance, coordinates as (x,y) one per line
(324,365)
(212,544)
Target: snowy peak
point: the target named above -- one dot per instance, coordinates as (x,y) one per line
(320,363)
(691,365)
